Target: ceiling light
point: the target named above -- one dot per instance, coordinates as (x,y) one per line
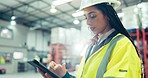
(13,22)
(53,10)
(59,2)
(77,14)
(76,21)
(13,17)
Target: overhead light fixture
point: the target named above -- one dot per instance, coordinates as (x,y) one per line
(53,9)
(59,2)
(77,14)
(76,21)
(13,22)
(13,17)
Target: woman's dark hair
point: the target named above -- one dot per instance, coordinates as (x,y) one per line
(114,20)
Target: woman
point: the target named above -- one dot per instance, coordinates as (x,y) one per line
(103,21)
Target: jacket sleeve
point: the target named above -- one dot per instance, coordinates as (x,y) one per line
(124,62)
(67,75)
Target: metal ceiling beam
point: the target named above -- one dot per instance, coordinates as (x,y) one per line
(33,11)
(49,16)
(15,10)
(125,3)
(132,2)
(35,8)
(145,0)
(30,24)
(57,9)
(45,13)
(61,12)
(72,6)
(140,0)
(3,16)
(16,7)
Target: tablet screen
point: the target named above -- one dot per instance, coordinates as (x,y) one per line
(35,63)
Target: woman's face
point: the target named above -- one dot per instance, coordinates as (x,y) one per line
(97,22)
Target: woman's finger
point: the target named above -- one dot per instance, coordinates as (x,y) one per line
(45,75)
(52,64)
(60,70)
(64,65)
(58,66)
(41,72)
(48,76)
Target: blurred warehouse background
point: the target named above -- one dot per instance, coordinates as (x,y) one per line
(52,30)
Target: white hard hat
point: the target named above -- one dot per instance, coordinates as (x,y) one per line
(88,3)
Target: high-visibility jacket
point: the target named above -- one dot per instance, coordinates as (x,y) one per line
(124,61)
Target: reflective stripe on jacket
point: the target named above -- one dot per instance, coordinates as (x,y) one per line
(124,62)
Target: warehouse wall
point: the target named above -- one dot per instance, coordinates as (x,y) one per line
(19,35)
(13,45)
(22,35)
(13,65)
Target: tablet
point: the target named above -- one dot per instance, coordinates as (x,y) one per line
(35,63)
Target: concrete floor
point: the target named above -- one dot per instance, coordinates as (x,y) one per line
(30,74)
(22,75)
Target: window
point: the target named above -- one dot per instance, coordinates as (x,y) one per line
(6,33)
(18,55)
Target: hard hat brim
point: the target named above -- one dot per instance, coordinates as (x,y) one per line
(115,3)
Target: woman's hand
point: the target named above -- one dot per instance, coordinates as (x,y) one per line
(45,75)
(59,69)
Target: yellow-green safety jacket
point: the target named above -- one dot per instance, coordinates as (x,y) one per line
(124,61)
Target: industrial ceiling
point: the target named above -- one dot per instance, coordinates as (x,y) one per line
(36,13)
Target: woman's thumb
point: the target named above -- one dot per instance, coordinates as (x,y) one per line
(64,65)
